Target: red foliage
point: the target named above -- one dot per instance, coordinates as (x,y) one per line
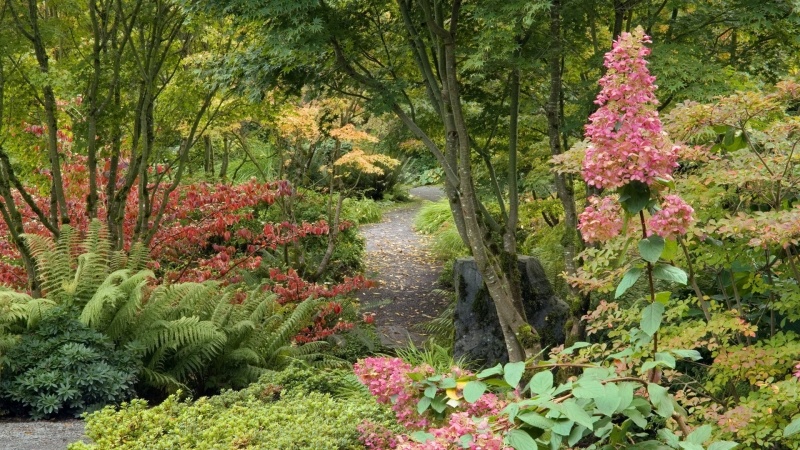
(208,232)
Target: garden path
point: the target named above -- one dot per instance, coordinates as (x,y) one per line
(407,274)
(396,258)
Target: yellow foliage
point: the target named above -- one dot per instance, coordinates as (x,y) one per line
(366,163)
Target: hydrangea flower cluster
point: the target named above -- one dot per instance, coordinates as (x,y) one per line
(626,143)
(388,381)
(674,218)
(601,220)
(482,437)
(626,139)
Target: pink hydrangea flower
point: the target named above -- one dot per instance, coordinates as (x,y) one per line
(626,139)
(674,218)
(601,220)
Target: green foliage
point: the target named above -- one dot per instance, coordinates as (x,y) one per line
(433,216)
(362,211)
(189,335)
(439,357)
(60,366)
(298,408)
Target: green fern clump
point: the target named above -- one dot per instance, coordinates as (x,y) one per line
(60,367)
(189,336)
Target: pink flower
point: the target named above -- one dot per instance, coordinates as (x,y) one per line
(626,140)
(674,218)
(601,220)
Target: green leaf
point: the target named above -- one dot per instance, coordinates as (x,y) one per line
(663,297)
(660,398)
(430,391)
(722,445)
(628,280)
(422,437)
(496,370)
(423,404)
(690,446)
(465,441)
(438,404)
(651,318)
(474,390)
(520,440)
(588,389)
(694,355)
(536,420)
(636,417)
(651,248)
(626,395)
(512,373)
(648,445)
(574,412)
(634,197)
(793,428)
(670,250)
(448,383)
(541,382)
(669,273)
(666,358)
(700,435)
(609,402)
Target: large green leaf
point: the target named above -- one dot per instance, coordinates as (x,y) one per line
(669,273)
(521,440)
(661,399)
(512,373)
(700,434)
(651,318)
(576,413)
(628,280)
(610,401)
(536,420)
(651,248)
(793,428)
(588,389)
(541,382)
(474,390)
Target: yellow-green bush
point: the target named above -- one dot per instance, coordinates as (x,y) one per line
(299,408)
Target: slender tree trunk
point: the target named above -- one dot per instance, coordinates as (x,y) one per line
(226,153)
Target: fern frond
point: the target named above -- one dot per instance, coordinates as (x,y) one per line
(291,326)
(161,380)
(138,257)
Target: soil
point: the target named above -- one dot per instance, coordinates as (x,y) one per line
(405,297)
(407,274)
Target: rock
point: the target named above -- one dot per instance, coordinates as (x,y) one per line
(478,336)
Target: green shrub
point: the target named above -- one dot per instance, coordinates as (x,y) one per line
(293,409)
(61,366)
(362,210)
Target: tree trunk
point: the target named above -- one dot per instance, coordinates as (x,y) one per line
(226,154)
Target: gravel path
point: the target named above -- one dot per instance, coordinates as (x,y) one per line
(39,435)
(406,273)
